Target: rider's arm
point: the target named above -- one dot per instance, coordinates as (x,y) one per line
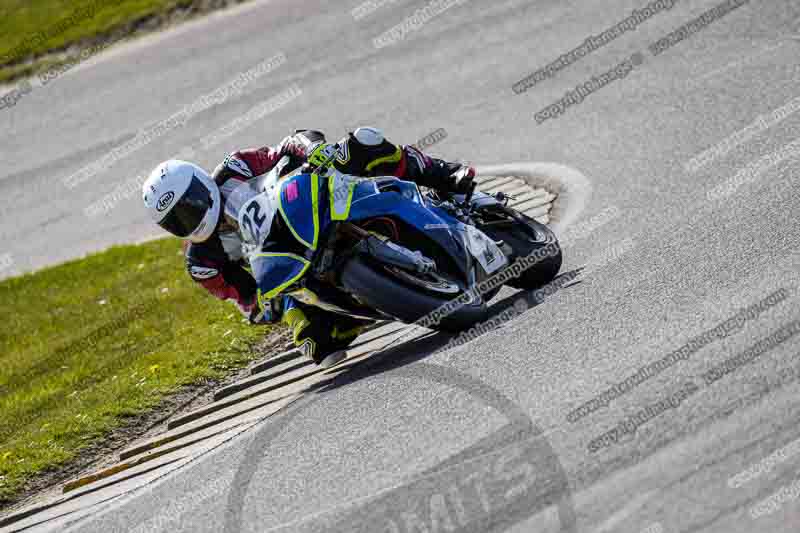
(299,145)
(431,172)
(209,266)
(251,162)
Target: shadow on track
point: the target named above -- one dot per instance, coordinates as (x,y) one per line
(500,480)
(419,348)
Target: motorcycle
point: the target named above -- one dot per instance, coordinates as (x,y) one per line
(378,248)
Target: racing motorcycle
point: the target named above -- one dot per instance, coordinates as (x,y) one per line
(378,248)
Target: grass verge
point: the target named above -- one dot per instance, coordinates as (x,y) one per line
(32,30)
(86,344)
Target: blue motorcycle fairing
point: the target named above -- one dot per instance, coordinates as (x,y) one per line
(299,205)
(275,272)
(446,232)
(303,204)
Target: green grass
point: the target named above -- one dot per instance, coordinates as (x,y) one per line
(20,20)
(73,368)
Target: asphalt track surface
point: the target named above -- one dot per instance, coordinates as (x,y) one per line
(380,451)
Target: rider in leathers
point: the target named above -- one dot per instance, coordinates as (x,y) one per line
(215,258)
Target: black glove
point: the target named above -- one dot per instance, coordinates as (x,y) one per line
(264,315)
(462,180)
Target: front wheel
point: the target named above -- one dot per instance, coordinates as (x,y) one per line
(524,237)
(409,296)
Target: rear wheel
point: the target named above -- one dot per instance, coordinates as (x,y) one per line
(409,296)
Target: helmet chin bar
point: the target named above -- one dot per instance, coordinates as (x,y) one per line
(210,221)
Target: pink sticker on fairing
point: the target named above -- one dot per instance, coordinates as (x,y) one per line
(291,192)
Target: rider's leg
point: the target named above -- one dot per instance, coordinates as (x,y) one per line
(321,335)
(366,152)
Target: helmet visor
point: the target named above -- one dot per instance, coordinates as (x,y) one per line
(187,214)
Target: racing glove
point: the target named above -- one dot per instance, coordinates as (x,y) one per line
(462,179)
(261,313)
(322,154)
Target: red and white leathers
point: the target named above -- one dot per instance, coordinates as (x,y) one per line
(218,264)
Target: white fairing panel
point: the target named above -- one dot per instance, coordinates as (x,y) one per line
(488,254)
(253,204)
(256,216)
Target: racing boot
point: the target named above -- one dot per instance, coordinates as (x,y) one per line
(322,336)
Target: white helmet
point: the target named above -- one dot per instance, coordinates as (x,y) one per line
(182,199)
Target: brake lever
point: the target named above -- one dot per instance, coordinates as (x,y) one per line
(468,197)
